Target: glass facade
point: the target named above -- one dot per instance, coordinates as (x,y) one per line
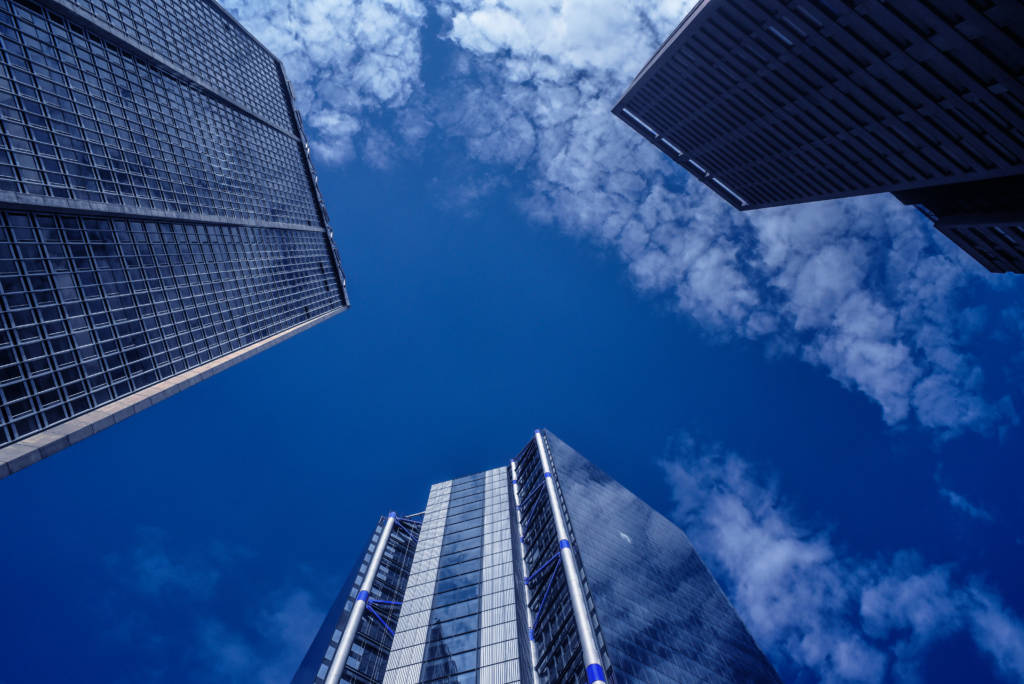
(158,210)
(86,120)
(368,658)
(487,600)
(663,616)
(460,626)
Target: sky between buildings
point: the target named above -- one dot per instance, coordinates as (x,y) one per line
(826,398)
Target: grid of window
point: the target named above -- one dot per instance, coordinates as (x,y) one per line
(453,637)
(84,120)
(458,623)
(197,37)
(404,663)
(95,308)
(776,101)
(472,633)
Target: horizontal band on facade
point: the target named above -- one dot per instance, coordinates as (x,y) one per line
(16,201)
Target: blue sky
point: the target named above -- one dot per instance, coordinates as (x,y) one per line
(827,397)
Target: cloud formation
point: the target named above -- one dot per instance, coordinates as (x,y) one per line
(171,588)
(863,287)
(346,59)
(283,630)
(817,610)
(960,503)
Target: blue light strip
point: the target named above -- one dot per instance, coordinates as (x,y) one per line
(528,519)
(536,488)
(545,564)
(386,626)
(544,598)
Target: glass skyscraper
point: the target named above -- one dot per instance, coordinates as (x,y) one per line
(159,215)
(774,102)
(545,571)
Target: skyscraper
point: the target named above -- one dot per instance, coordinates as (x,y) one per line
(159,215)
(774,102)
(547,571)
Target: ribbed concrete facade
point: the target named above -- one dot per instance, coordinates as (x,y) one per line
(775,102)
(499,645)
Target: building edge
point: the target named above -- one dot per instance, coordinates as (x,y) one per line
(717,587)
(34,448)
(690,17)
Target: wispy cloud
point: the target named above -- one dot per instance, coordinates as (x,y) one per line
(962,504)
(346,59)
(959,501)
(862,288)
(150,569)
(269,653)
(170,589)
(816,609)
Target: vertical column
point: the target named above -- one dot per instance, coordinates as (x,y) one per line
(591,654)
(522,561)
(348,637)
(499,643)
(410,641)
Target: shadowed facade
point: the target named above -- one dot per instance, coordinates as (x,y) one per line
(776,102)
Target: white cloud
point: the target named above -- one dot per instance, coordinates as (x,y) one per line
(817,610)
(960,503)
(345,59)
(863,287)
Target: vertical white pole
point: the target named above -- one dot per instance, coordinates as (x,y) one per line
(352,626)
(588,640)
(522,561)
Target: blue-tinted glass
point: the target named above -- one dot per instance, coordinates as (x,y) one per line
(662,615)
(228,286)
(129,134)
(458,610)
(183,219)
